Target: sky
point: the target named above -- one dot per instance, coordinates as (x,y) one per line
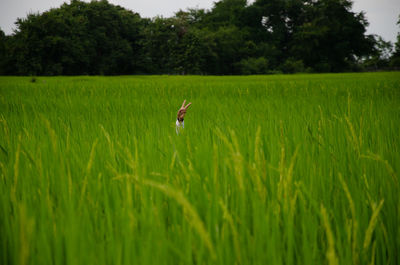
(382,15)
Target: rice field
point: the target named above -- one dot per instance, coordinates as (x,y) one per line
(296,169)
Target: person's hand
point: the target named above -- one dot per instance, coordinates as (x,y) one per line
(182,110)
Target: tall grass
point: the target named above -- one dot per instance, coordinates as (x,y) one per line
(298,169)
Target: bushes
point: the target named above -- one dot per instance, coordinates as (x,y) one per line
(251,66)
(293,66)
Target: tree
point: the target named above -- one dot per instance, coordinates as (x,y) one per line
(225,13)
(330,36)
(266,21)
(380,57)
(78,38)
(2,52)
(395,59)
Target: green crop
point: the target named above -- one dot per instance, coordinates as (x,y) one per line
(300,169)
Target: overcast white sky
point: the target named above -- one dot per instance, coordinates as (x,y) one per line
(381,14)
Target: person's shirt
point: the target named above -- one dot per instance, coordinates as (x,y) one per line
(179,126)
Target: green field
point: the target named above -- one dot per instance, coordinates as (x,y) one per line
(300,169)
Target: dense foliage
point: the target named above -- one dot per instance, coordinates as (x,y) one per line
(395,59)
(234,37)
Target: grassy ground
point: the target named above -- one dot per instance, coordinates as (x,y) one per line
(300,169)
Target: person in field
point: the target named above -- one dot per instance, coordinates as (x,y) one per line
(181,114)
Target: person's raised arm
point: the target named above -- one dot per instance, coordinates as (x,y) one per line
(181,115)
(182,111)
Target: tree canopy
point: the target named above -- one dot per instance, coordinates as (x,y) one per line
(233,37)
(395,59)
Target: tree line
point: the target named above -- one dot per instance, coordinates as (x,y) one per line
(233,37)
